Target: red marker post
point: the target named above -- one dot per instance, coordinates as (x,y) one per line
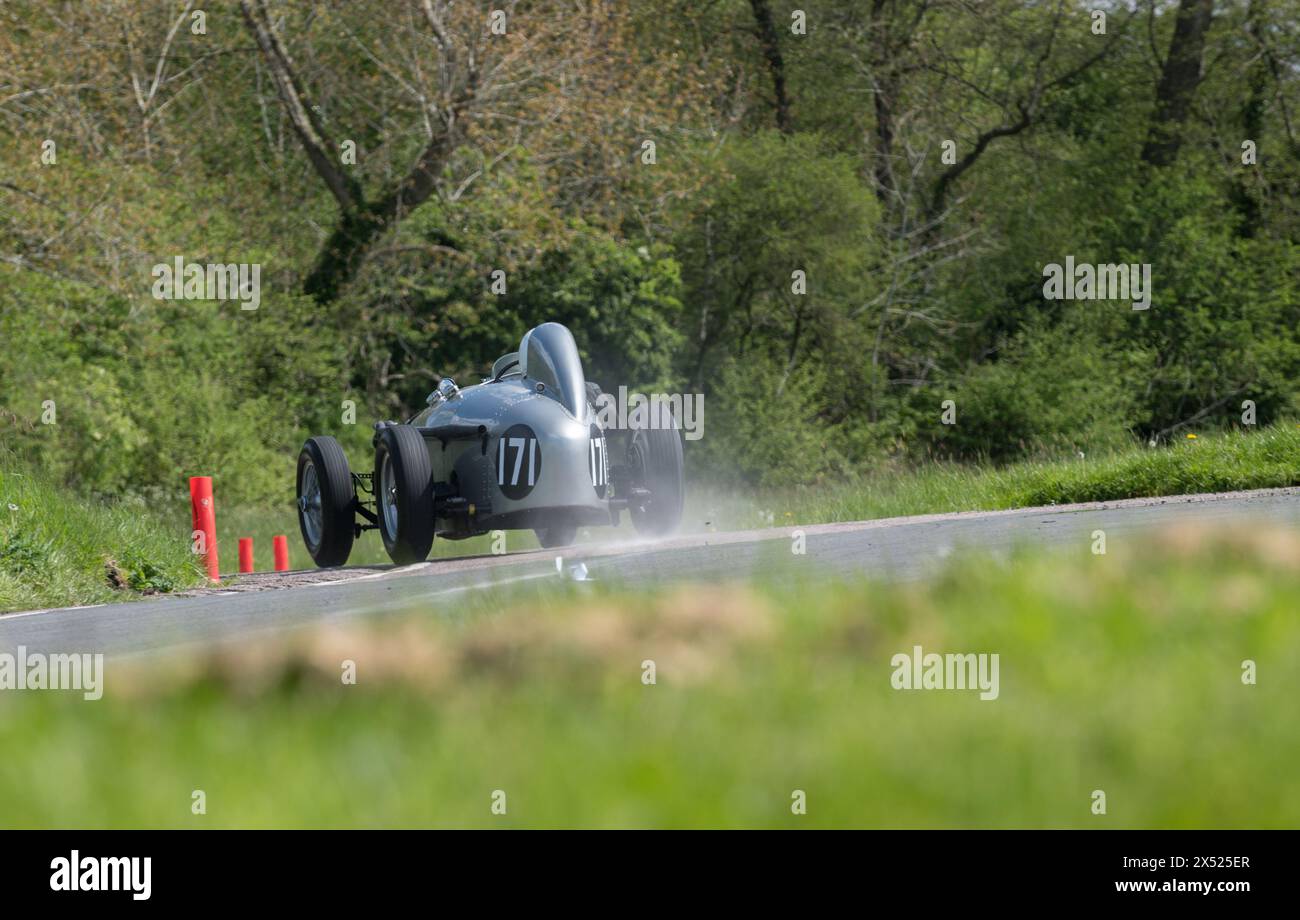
(281,545)
(203,511)
(245,555)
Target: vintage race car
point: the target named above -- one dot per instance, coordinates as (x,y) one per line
(524,449)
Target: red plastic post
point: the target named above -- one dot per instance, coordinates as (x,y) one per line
(245,555)
(203,511)
(281,544)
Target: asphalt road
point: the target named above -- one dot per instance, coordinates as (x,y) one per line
(896,548)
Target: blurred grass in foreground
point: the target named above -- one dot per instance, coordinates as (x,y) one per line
(1119,672)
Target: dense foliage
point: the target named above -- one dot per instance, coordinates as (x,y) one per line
(829,217)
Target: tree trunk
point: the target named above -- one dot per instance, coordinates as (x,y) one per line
(767,37)
(1179,79)
(1244,196)
(360,222)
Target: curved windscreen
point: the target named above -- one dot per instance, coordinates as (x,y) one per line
(548,354)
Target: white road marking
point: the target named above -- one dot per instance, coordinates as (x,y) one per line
(28,613)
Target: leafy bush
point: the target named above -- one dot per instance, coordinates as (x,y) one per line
(145,396)
(1050,392)
(761,428)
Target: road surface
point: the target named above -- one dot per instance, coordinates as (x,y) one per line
(910,547)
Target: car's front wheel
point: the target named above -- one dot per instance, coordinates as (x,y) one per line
(325,501)
(404,494)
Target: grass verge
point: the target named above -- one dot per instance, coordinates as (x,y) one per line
(1121,673)
(58,550)
(1227,462)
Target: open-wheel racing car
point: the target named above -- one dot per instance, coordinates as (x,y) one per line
(524,449)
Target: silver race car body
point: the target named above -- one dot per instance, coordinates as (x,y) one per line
(523,449)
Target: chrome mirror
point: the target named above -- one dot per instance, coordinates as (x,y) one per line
(447,389)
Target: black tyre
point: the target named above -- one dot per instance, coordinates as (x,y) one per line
(404,494)
(655,461)
(326,501)
(557,535)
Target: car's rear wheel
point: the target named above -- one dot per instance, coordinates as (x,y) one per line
(325,501)
(557,535)
(404,494)
(655,462)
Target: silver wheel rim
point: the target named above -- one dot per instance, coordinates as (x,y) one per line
(309,505)
(388,494)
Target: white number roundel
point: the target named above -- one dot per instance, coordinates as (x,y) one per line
(519,461)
